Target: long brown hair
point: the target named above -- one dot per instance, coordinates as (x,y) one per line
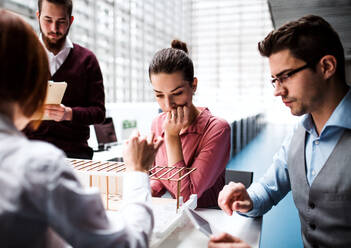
(24,69)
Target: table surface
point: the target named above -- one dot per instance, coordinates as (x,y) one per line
(248,229)
(185,236)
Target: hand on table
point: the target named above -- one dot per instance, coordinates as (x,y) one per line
(234,197)
(225,240)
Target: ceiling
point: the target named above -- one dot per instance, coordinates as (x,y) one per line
(336,12)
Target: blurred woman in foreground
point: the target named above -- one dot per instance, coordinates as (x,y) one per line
(39,191)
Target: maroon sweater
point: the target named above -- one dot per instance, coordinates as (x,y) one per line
(85,95)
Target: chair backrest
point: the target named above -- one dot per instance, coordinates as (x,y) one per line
(244,177)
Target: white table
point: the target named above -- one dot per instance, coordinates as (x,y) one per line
(185,235)
(248,229)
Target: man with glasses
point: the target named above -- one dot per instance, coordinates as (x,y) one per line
(84,101)
(307,64)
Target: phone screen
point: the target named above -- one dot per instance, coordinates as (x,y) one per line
(199,222)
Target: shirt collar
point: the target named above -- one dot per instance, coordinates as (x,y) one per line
(198,126)
(68,43)
(341,116)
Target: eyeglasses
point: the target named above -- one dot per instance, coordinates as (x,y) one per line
(285,76)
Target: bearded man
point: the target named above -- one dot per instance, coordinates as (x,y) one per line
(84,101)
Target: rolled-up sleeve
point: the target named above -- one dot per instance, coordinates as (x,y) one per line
(274,185)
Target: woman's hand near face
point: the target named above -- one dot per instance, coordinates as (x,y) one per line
(176,120)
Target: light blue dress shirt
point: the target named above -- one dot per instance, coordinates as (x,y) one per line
(275,184)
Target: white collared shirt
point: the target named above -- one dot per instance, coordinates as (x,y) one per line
(55,61)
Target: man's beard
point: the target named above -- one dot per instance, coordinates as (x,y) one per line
(58,44)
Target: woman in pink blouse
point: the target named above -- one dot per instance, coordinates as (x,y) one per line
(193,137)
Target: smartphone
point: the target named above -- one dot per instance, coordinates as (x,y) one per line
(55,92)
(199,222)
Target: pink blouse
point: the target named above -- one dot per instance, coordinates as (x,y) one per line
(206,147)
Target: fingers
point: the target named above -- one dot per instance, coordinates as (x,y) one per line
(169,115)
(58,112)
(150,138)
(180,113)
(54,111)
(158,143)
(217,238)
(224,237)
(174,115)
(177,115)
(55,114)
(135,134)
(242,206)
(186,114)
(232,193)
(225,240)
(228,245)
(53,106)
(155,142)
(236,188)
(176,119)
(226,207)
(225,199)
